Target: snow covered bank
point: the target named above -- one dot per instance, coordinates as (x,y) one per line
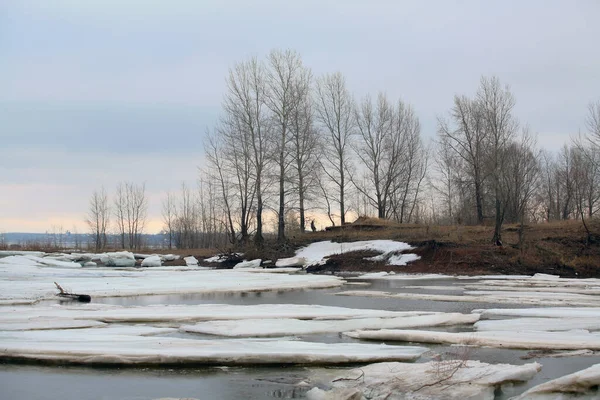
(289,327)
(317,253)
(448,380)
(125,346)
(581,385)
(529,340)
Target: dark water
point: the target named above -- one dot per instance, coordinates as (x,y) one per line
(81,383)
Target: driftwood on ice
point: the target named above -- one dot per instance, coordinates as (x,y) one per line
(84,298)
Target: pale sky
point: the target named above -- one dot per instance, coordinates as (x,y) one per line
(100,91)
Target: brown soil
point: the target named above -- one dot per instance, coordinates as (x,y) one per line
(557,248)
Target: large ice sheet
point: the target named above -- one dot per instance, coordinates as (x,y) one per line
(44,322)
(447,380)
(121,347)
(287,327)
(581,385)
(197,312)
(575,300)
(538,324)
(589,290)
(550,312)
(530,340)
(30,283)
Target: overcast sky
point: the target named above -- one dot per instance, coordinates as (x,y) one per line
(97,92)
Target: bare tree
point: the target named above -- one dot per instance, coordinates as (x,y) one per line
(130,211)
(98,218)
(496,103)
(169,213)
(335,112)
(468,140)
(520,179)
(305,143)
(287,82)
(244,104)
(593,123)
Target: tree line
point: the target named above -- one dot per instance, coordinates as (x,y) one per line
(290,147)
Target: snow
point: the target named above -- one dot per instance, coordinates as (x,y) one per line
(125,345)
(31,283)
(530,340)
(448,380)
(581,385)
(191,260)
(317,253)
(539,324)
(248,264)
(402,259)
(286,327)
(152,261)
(90,264)
(291,262)
(523,298)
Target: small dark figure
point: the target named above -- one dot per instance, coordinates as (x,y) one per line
(312,226)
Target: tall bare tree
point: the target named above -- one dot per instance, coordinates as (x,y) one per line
(98,218)
(305,148)
(335,112)
(467,138)
(169,212)
(496,103)
(244,104)
(285,77)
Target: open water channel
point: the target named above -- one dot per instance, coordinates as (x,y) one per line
(82,383)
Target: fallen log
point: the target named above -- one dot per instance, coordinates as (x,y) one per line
(83,298)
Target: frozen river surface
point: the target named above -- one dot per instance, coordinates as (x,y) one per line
(312,312)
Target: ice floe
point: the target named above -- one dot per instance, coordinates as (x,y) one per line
(190,260)
(291,262)
(286,327)
(248,264)
(539,324)
(524,298)
(152,261)
(550,312)
(448,380)
(130,346)
(530,340)
(197,312)
(581,385)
